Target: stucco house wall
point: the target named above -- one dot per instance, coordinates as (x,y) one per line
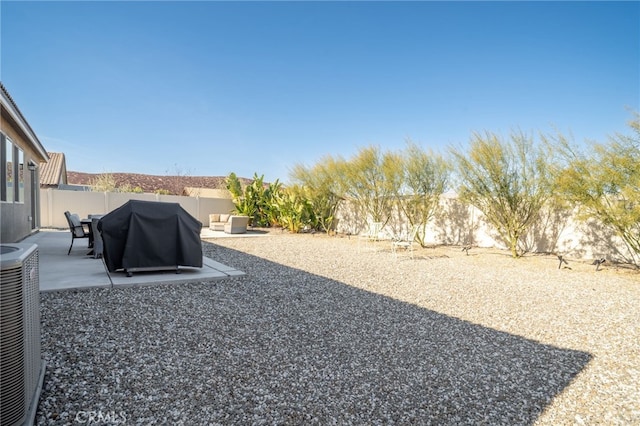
(18,217)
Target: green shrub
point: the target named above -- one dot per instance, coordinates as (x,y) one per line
(293,208)
(254,200)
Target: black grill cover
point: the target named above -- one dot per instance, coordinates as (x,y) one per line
(149,234)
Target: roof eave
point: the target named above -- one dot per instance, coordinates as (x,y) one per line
(12,109)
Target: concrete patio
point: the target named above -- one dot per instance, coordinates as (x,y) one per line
(59,271)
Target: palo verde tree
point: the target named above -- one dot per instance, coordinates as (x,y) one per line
(508,180)
(323,189)
(371,180)
(605,182)
(107,182)
(424,179)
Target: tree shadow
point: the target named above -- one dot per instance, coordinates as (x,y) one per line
(281,345)
(603,242)
(455,224)
(545,233)
(350,221)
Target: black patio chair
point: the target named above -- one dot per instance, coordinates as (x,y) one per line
(76,228)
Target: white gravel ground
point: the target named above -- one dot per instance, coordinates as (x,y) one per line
(320,333)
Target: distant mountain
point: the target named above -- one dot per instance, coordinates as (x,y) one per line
(152,183)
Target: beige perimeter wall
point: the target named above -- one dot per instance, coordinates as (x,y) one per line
(455,224)
(55,202)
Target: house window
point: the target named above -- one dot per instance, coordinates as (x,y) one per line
(7,190)
(20,175)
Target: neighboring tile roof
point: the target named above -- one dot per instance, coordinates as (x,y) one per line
(54,172)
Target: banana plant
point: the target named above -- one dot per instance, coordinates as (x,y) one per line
(294,209)
(254,200)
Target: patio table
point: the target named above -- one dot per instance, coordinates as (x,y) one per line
(87,222)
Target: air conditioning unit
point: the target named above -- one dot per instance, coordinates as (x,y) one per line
(21,364)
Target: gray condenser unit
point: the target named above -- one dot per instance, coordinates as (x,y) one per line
(21,364)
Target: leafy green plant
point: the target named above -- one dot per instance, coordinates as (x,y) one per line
(242,199)
(267,213)
(253,200)
(293,207)
(234,186)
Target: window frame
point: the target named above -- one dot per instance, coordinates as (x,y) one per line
(18,166)
(12,179)
(7,167)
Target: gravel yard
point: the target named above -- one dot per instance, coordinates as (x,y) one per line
(320,333)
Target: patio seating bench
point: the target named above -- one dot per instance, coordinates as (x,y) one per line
(230,224)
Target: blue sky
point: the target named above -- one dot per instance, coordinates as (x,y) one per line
(208,88)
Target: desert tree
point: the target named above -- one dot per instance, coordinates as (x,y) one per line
(104,182)
(424,179)
(322,185)
(371,180)
(107,182)
(507,180)
(603,181)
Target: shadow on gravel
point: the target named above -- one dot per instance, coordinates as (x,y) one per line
(282,346)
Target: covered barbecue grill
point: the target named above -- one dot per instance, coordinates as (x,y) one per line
(148,235)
